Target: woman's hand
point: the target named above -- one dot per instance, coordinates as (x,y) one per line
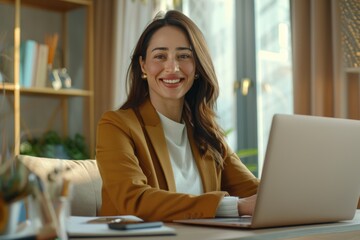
(246,205)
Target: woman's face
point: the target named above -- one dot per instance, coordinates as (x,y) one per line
(169,65)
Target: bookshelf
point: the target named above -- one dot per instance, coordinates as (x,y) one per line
(65,98)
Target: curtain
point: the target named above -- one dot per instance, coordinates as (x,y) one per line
(104,42)
(132,17)
(118,25)
(318,84)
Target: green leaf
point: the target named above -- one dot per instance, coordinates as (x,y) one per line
(247,152)
(48,146)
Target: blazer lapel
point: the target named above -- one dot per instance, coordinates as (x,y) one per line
(156,136)
(206,165)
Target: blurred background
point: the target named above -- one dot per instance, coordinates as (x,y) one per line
(270,56)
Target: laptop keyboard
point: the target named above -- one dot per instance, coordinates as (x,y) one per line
(239,220)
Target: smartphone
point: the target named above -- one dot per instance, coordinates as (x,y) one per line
(128,225)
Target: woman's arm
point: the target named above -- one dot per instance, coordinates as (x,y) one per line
(237,179)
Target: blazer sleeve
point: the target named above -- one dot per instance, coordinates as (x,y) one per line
(131,182)
(237,179)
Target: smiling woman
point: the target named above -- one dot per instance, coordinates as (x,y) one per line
(162,155)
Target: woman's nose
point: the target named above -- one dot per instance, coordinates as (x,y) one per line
(172,65)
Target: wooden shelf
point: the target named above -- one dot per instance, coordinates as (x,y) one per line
(49,91)
(352,70)
(62,95)
(53,5)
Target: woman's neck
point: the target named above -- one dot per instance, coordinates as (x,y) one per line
(170,109)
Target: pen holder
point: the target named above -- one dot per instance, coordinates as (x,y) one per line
(14,187)
(62,208)
(9,217)
(49,217)
(47,202)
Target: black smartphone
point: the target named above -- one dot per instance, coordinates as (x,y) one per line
(128,225)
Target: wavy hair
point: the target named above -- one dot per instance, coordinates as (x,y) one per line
(200,100)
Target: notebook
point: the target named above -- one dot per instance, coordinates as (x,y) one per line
(311,174)
(97,228)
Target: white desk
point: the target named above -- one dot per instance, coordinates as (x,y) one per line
(334,231)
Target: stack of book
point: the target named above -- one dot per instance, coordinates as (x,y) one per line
(33,64)
(35,60)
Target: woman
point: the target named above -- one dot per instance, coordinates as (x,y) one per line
(162,156)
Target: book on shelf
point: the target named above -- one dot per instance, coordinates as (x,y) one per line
(28,52)
(40,79)
(33,64)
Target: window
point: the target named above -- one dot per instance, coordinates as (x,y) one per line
(272,77)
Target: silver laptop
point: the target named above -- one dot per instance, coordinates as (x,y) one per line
(311,174)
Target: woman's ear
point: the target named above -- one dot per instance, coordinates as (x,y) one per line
(142,63)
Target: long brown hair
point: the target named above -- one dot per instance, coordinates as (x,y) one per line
(200,100)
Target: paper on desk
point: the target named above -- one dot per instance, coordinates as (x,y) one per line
(80,227)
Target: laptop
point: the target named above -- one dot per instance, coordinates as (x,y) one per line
(311,174)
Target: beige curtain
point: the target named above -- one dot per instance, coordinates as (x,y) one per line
(104,15)
(318,85)
(132,17)
(118,24)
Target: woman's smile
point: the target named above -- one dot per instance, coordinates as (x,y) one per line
(172,80)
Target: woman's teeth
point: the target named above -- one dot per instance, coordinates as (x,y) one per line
(171,80)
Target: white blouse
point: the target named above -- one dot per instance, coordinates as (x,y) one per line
(186,173)
(187,177)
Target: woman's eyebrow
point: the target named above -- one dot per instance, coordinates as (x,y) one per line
(160,48)
(166,49)
(184,48)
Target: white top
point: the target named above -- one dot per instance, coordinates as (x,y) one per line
(186,174)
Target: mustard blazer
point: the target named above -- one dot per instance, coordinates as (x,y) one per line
(137,175)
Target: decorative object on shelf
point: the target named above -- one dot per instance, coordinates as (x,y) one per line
(65,78)
(54,79)
(52,146)
(350,31)
(60,78)
(52,42)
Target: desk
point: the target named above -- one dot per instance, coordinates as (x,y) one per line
(334,231)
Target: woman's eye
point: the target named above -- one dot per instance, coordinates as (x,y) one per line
(184,56)
(160,56)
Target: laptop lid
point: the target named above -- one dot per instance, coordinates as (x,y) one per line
(311,173)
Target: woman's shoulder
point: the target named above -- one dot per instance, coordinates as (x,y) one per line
(122,116)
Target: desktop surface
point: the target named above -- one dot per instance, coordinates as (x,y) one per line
(332,231)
